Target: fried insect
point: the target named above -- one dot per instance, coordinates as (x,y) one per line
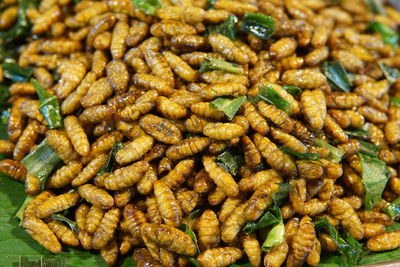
(126,176)
(13,169)
(63,176)
(347,216)
(208,230)
(223,45)
(177,176)
(168,206)
(26,140)
(77,135)
(252,248)
(161,129)
(223,131)
(62,145)
(314,108)
(134,150)
(105,231)
(57,204)
(96,196)
(90,170)
(218,257)
(63,233)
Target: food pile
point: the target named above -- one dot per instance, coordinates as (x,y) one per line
(205,133)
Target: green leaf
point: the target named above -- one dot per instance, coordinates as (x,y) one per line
(209,4)
(395,101)
(269,95)
(22,26)
(283,192)
(259,25)
(70,223)
(293,90)
(381,257)
(391,74)
(376,7)
(227,28)
(148,7)
(194,214)
(335,154)
(275,237)
(3,124)
(271,217)
(228,106)
(393,210)
(374,177)
(189,232)
(393,227)
(230,161)
(49,106)
(194,262)
(337,76)
(369,149)
(108,166)
(389,36)
(16,73)
(298,155)
(359,133)
(4,95)
(350,249)
(210,63)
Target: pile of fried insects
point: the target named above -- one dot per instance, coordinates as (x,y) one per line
(205,133)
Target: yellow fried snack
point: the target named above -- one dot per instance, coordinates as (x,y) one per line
(384,241)
(63,233)
(126,176)
(218,257)
(13,169)
(167,204)
(347,216)
(105,231)
(208,230)
(56,204)
(96,196)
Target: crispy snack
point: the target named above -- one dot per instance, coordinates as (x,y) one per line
(63,233)
(13,169)
(105,231)
(167,204)
(96,196)
(218,257)
(347,216)
(57,204)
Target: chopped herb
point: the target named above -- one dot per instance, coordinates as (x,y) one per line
(381,257)
(395,101)
(293,90)
(393,227)
(269,95)
(230,161)
(393,210)
(280,196)
(275,237)
(388,35)
(210,63)
(228,106)
(298,155)
(335,154)
(4,95)
(16,73)
(209,4)
(194,262)
(359,133)
(369,149)
(350,249)
(376,7)
(108,166)
(227,28)
(337,76)
(374,177)
(20,213)
(148,7)
(271,217)
(259,25)
(49,106)
(70,223)
(391,74)
(190,135)
(194,214)
(189,232)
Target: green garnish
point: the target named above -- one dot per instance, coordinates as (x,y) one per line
(335,154)
(194,262)
(391,74)
(16,73)
(280,196)
(70,223)
(374,177)
(227,28)
(271,217)
(148,7)
(337,76)
(194,214)
(189,232)
(230,161)
(292,89)
(359,133)
(376,7)
(210,63)
(393,210)
(259,25)
(209,4)
(395,101)
(108,166)
(389,36)
(275,236)
(298,155)
(49,106)
(381,257)
(393,227)
(228,106)
(269,95)
(369,149)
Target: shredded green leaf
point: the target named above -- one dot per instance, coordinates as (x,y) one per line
(227,28)
(395,101)
(210,63)
(70,223)
(49,106)
(388,35)
(376,7)
(337,76)
(280,196)
(269,95)
(189,232)
(259,25)
(209,4)
(335,154)
(228,106)
(275,237)
(369,149)
(350,249)
(393,227)
(196,213)
(381,257)
(298,155)
(16,73)
(393,210)
(20,213)
(374,177)
(194,262)
(293,90)
(148,7)
(108,166)
(230,161)
(359,133)
(391,74)
(271,217)
(4,94)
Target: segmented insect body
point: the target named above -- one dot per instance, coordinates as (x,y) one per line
(77,135)
(161,129)
(168,206)
(159,66)
(348,217)
(63,176)
(187,147)
(118,45)
(126,176)
(64,234)
(134,219)
(277,116)
(90,170)
(222,256)
(259,201)
(232,225)
(251,154)
(134,150)
(109,252)
(177,176)
(98,92)
(26,140)
(180,67)
(96,196)
(223,45)
(142,257)
(170,28)
(384,241)
(252,248)
(57,204)
(62,145)
(208,230)
(15,122)
(117,76)
(203,109)
(106,229)
(13,169)
(215,90)
(223,131)
(314,108)
(170,109)
(277,255)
